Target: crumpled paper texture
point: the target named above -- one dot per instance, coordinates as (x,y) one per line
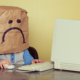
(14,33)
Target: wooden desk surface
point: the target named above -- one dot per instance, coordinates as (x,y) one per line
(45,75)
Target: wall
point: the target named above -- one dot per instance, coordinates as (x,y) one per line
(42,14)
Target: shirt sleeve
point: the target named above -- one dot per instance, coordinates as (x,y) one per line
(27,57)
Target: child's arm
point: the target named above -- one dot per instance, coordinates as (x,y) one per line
(37,61)
(28,59)
(3,62)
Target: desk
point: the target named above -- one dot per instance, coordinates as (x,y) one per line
(45,75)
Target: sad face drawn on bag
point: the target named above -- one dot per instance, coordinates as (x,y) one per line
(10,22)
(14,34)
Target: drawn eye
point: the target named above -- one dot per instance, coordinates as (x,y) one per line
(18,21)
(10,21)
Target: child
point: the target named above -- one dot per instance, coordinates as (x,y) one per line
(14,37)
(18,58)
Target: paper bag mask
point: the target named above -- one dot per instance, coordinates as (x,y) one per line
(13,30)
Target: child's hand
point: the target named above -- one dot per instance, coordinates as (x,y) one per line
(3,62)
(37,61)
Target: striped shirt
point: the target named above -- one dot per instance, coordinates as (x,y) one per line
(18,58)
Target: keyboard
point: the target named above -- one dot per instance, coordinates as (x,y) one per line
(38,66)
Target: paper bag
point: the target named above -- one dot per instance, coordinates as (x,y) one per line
(14,33)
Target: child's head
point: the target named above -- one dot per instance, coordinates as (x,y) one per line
(13,30)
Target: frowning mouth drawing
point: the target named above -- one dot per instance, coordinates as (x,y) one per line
(3,37)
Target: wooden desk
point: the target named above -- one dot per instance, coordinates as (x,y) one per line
(45,75)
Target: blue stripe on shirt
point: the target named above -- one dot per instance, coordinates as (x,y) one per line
(0,59)
(12,57)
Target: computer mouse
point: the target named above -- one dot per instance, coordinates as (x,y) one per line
(9,66)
